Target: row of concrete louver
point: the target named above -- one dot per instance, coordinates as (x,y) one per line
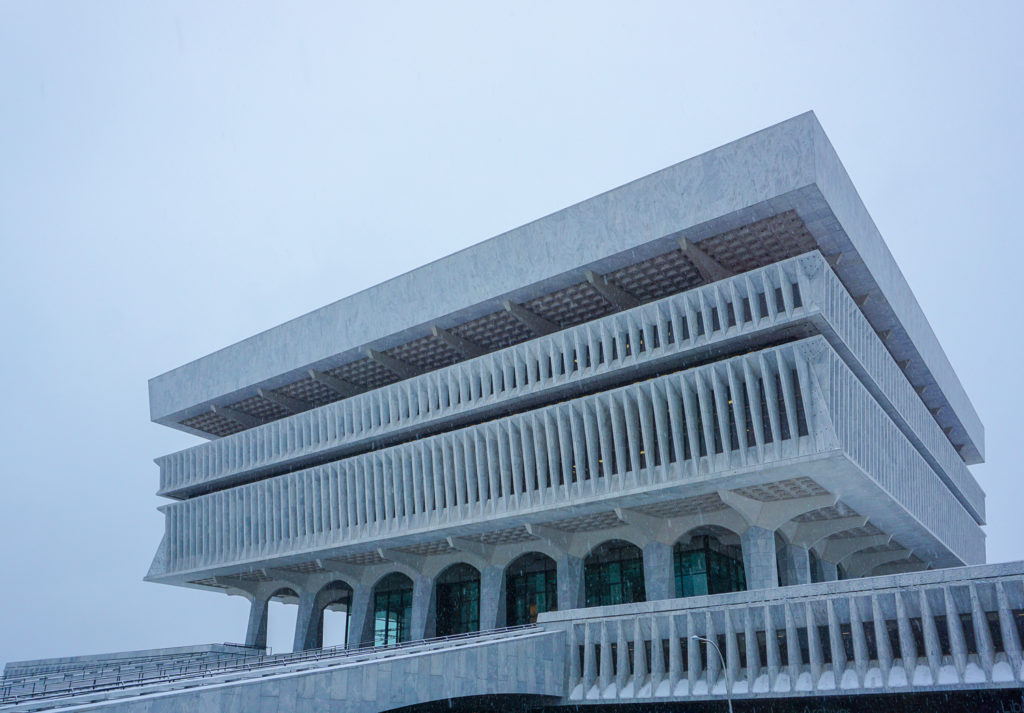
(629,344)
(886,633)
(627,340)
(737,412)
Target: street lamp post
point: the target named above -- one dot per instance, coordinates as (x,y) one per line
(728,695)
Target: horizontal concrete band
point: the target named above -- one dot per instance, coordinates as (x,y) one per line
(684,427)
(788,166)
(794,296)
(940,629)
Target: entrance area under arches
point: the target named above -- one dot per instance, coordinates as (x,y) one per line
(278,621)
(613,573)
(458,600)
(333,604)
(706,561)
(531,588)
(392,610)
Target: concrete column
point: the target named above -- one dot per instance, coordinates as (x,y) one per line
(308,623)
(796,565)
(759,565)
(424,608)
(256,632)
(360,616)
(829,571)
(659,574)
(569,573)
(492,598)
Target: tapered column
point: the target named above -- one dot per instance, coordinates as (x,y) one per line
(569,576)
(360,616)
(424,607)
(256,632)
(492,598)
(829,571)
(659,575)
(759,565)
(308,623)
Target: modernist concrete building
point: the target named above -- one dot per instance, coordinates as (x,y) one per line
(695,435)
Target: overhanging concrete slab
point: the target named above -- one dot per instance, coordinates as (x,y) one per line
(789,166)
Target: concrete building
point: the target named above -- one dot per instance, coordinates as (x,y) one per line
(694,434)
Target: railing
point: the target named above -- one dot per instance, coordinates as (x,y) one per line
(732,414)
(19,689)
(141,670)
(928,630)
(934,629)
(800,293)
(725,415)
(120,661)
(627,340)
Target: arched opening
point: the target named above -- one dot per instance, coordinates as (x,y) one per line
(840,572)
(708,560)
(334,602)
(282,611)
(458,600)
(392,610)
(613,573)
(531,587)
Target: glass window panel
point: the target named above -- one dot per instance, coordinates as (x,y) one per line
(705,566)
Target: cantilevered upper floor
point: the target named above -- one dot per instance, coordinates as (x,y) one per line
(776,194)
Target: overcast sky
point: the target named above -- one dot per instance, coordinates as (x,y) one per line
(175,177)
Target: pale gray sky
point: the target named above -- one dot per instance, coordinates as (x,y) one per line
(176,177)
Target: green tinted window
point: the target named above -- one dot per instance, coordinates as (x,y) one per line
(531,587)
(458,601)
(392,610)
(705,566)
(614,574)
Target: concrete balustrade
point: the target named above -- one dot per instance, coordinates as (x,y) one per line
(798,296)
(685,434)
(928,630)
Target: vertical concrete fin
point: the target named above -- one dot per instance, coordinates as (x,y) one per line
(605,674)
(772,658)
(657,656)
(931,636)
(714,664)
(621,658)
(589,664)
(693,662)
(908,649)
(860,644)
(813,644)
(982,635)
(750,642)
(835,639)
(881,639)
(574,660)
(1011,639)
(675,659)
